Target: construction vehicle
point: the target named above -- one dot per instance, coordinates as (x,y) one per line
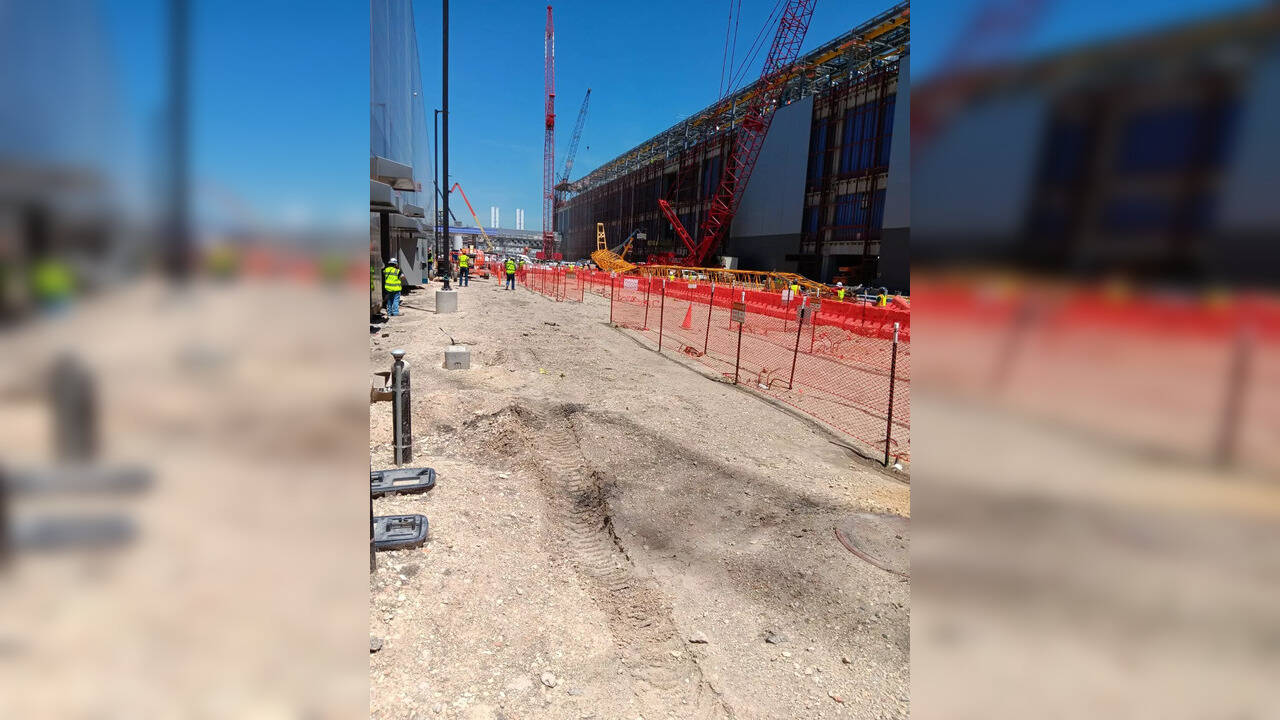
(478,258)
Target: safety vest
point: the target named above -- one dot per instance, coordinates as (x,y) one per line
(391,278)
(462,260)
(52,280)
(511,266)
(839,293)
(795,289)
(882,300)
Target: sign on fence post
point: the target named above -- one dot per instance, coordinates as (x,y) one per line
(893,372)
(739,312)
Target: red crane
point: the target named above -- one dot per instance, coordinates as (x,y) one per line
(749,138)
(549,144)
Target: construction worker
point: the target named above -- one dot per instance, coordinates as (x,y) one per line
(53,283)
(392,284)
(840,291)
(464,268)
(882,299)
(795,290)
(511,273)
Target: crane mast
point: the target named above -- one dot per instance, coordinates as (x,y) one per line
(549,144)
(749,136)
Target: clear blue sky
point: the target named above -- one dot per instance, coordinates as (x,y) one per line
(281,89)
(280,106)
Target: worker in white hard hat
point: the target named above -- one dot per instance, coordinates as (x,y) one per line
(392,284)
(840,291)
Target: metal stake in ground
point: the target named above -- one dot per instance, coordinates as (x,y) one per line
(893,377)
(613,283)
(401,417)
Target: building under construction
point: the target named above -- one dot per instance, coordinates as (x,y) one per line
(829,196)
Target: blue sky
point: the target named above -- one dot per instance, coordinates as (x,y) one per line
(281,89)
(280,99)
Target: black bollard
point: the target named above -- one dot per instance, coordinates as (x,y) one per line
(402,422)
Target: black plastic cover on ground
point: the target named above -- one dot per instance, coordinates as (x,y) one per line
(395,532)
(401,480)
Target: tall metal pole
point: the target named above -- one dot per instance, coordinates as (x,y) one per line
(444,173)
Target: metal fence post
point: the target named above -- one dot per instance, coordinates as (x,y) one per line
(737,361)
(662,311)
(613,282)
(711,308)
(648,290)
(893,381)
(804,303)
(1225,451)
(401,417)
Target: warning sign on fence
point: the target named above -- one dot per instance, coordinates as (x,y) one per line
(802,312)
(631,283)
(738,313)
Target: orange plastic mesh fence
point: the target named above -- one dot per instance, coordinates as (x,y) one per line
(834,364)
(557,283)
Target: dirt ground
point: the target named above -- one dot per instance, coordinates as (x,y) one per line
(616,535)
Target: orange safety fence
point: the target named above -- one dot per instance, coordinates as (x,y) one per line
(837,363)
(558,283)
(1193,376)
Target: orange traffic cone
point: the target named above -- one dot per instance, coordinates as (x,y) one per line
(688,318)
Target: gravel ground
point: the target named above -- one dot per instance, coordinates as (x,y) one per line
(616,535)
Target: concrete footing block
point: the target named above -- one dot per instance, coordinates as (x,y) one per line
(446,301)
(457,357)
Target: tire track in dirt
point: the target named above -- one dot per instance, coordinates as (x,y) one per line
(639,617)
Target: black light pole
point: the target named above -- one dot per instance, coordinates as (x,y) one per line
(444,105)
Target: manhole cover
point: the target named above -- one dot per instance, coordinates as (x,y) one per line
(882,540)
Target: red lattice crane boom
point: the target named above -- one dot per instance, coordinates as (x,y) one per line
(792,27)
(549,143)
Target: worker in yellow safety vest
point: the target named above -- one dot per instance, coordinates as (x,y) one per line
(840,291)
(511,273)
(392,284)
(464,269)
(794,287)
(882,300)
(52,282)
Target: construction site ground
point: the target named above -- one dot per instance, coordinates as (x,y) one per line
(616,535)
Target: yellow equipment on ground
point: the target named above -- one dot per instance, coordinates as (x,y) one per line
(611,261)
